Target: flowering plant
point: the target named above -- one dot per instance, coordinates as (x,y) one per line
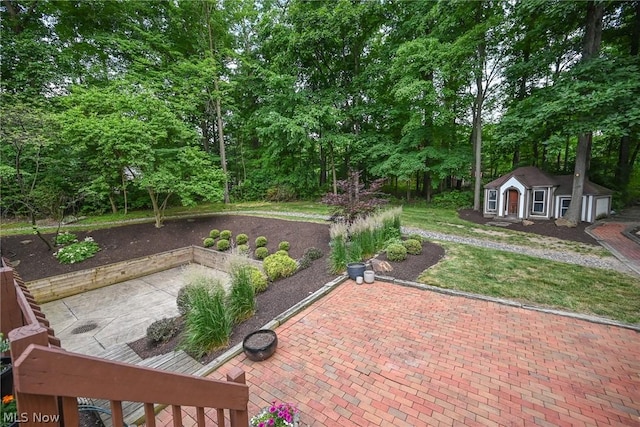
(77,252)
(276,415)
(9,410)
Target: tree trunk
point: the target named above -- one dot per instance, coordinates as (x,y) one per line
(591,46)
(477,140)
(625,157)
(218,95)
(156,208)
(112,201)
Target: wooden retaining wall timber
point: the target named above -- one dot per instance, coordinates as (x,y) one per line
(217,260)
(65,285)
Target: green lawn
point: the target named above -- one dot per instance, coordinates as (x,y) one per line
(536,281)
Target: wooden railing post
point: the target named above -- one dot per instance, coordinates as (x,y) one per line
(10,315)
(33,410)
(238,417)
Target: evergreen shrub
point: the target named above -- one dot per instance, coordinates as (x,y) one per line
(261,252)
(223,244)
(261,241)
(279,266)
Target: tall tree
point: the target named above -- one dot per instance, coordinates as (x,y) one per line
(590,49)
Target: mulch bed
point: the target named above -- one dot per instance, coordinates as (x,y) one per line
(541,227)
(137,240)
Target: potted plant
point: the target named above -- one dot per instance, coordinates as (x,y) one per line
(6,373)
(277,415)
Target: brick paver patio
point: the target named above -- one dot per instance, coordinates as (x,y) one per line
(383,354)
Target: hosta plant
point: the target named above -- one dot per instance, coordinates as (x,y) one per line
(77,252)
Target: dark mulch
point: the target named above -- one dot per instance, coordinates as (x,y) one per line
(541,227)
(138,240)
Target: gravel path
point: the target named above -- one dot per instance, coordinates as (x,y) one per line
(609,263)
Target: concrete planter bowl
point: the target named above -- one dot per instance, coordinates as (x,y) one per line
(260,345)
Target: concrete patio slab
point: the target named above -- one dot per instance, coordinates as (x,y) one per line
(93,321)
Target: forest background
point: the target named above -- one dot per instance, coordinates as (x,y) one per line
(119,105)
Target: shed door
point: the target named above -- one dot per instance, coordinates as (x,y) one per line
(512,202)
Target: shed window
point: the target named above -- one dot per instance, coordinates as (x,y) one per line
(492,200)
(564,205)
(538,201)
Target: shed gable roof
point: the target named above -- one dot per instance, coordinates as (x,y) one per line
(531,176)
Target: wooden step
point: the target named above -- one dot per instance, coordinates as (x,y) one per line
(177,361)
(121,353)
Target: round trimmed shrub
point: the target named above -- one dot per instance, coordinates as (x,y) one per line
(242,239)
(258,280)
(208,242)
(279,266)
(413,246)
(282,252)
(243,249)
(261,252)
(214,234)
(161,330)
(225,234)
(223,244)
(396,252)
(304,262)
(284,246)
(261,241)
(314,253)
(417,237)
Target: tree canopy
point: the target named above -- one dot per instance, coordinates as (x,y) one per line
(118,105)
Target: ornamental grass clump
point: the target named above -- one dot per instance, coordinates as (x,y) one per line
(194,275)
(208,242)
(77,252)
(276,415)
(225,234)
(362,238)
(208,322)
(214,234)
(242,298)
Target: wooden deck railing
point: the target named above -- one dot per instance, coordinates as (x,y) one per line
(48,380)
(17,307)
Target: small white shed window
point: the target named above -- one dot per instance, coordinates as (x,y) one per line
(539,201)
(564,205)
(492,200)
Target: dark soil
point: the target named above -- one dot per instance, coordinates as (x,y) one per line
(541,227)
(125,242)
(138,240)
